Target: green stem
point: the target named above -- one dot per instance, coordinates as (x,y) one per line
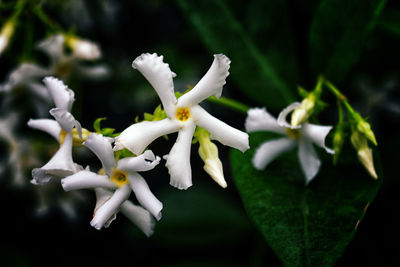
(46,19)
(229,103)
(226,102)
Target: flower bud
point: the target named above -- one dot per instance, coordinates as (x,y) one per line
(83,49)
(304,111)
(338,141)
(364,153)
(5,34)
(365,128)
(208,152)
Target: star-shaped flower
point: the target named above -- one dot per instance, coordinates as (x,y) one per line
(113,188)
(303,136)
(183,115)
(61,164)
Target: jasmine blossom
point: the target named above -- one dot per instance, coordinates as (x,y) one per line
(183,115)
(302,136)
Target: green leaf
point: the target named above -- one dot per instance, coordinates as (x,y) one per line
(305,226)
(338,35)
(263,76)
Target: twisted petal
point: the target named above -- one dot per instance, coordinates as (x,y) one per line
(269,150)
(308,159)
(53,46)
(160,77)
(46,125)
(144,162)
(258,119)
(101,147)
(110,207)
(219,130)
(102,196)
(139,216)
(66,120)
(282,116)
(144,195)
(210,84)
(60,165)
(86,179)
(178,160)
(139,135)
(62,96)
(317,135)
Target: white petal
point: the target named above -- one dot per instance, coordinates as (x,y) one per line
(62,96)
(94,72)
(66,120)
(60,165)
(25,73)
(317,135)
(139,216)
(258,119)
(46,125)
(269,150)
(219,130)
(53,46)
(100,146)
(144,162)
(139,135)
(214,168)
(178,160)
(160,77)
(282,116)
(110,207)
(40,91)
(210,84)
(102,196)
(86,179)
(86,50)
(143,194)
(308,159)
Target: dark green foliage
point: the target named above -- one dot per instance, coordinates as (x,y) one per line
(338,35)
(305,226)
(265,71)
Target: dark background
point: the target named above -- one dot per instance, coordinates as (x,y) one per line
(205,225)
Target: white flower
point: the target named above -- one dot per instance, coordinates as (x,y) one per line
(83,49)
(303,136)
(114,188)
(61,65)
(182,116)
(61,164)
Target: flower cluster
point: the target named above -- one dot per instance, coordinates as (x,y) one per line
(119,176)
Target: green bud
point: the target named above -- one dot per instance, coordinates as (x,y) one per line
(304,111)
(365,128)
(338,141)
(364,153)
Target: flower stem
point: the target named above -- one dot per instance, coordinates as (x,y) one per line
(229,103)
(46,19)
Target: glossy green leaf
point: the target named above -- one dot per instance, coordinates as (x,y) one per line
(267,77)
(338,35)
(305,226)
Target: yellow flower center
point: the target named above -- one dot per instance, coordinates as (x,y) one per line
(119,177)
(76,140)
(183,114)
(293,133)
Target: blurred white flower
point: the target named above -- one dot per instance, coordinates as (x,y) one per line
(61,65)
(61,164)
(303,136)
(182,116)
(113,188)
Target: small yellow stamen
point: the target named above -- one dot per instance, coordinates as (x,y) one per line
(293,133)
(76,140)
(183,114)
(119,178)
